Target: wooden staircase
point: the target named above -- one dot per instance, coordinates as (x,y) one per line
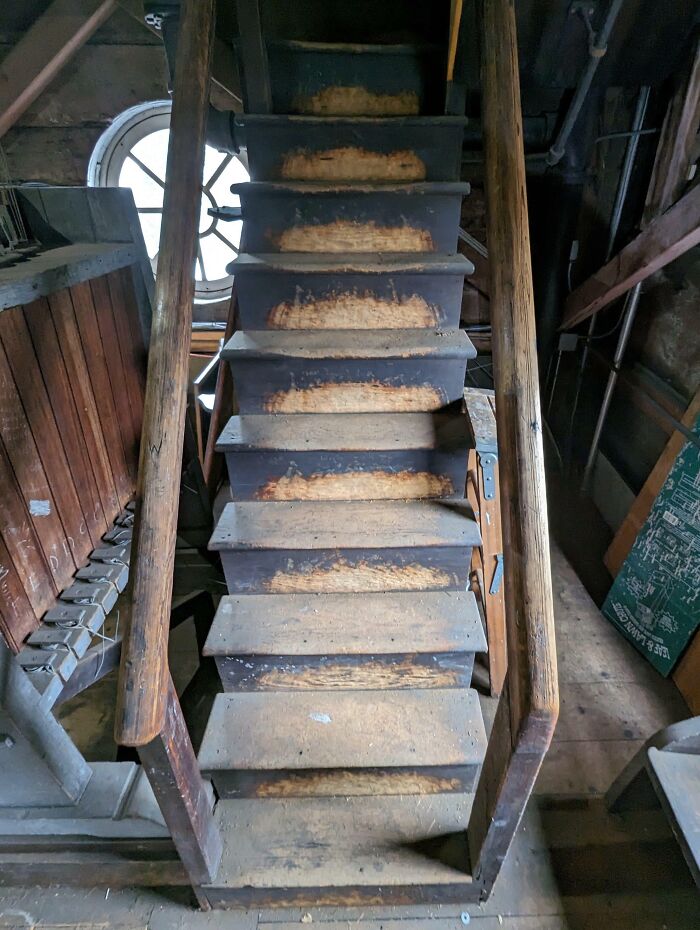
(347,642)
(348,751)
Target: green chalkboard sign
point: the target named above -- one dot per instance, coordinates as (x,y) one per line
(655,599)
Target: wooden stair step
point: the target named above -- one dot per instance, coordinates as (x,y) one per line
(281,547)
(343,851)
(346,457)
(363,217)
(318,148)
(344,742)
(334,371)
(349,291)
(346,624)
(348,641)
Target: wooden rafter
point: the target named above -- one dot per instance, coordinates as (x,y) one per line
(665,239)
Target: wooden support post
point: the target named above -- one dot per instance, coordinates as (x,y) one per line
(530,703)
(43,50)
(171,766)
(256,76)
(144,667)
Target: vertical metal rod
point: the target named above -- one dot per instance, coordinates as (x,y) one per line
(630,311)
(615,217)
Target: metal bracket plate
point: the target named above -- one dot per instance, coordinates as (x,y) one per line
(488,461)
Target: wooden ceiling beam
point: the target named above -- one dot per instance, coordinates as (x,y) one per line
(43,50)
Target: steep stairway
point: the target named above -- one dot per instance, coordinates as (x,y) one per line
(348,740)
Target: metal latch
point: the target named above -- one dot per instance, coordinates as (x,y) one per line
(497,574)
(488,462)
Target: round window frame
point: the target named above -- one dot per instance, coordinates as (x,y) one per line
(113,148)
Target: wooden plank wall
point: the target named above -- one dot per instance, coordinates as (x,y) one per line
(72,376)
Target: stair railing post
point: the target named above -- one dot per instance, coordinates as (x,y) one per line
(144,667)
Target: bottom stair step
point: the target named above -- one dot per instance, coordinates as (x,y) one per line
(295,744)
(343,851)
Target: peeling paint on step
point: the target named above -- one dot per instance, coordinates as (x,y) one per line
(356,397)
(350,163)
(356,101)
(358,485)
(349,236)
(355,311)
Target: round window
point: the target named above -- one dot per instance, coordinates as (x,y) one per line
(133,153)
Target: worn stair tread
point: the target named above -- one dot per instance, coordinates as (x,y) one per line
(279,850)
(356,188)
(676,778)
(282,119)
(348,432)
(344,344)
(285,525)
(299,730)
(352,262)
(394,623)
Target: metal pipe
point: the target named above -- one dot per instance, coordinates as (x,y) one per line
(615,217)
(596,50)
(630,311)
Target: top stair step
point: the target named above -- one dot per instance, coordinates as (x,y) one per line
(313,148)
(333,79)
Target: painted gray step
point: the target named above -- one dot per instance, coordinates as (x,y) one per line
(334,546)
(325,291)
(316,217)
(370,851)
(316,148)
(337,372)
(334,79)
(298,642)
(344,742)
(346,457)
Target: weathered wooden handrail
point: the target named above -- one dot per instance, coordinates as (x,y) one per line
(144,677)
(529,706)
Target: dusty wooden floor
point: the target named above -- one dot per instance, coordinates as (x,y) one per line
(572,866)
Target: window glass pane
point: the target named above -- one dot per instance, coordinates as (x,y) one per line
(146,192)
(217,255)
(152,150)
(150,224)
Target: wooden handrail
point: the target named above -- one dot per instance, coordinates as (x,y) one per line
(144,677)
(529,706)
